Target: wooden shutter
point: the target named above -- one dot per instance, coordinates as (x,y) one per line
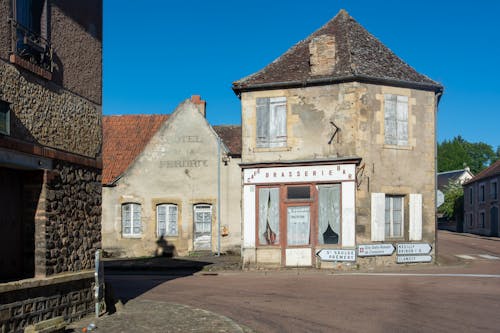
(378,216)
(402,120)
(278,121)
(390,127)
(262,122)
(415,217)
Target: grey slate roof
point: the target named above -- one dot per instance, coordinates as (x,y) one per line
(359,57)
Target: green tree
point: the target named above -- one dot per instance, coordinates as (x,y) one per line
(453,205)
(457,153)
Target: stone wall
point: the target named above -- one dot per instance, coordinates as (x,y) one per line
(73,223)
(32,301)
(4,28)
(41,113)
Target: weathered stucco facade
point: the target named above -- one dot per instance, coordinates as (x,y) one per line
(50,167)
(179,167)
(335,134)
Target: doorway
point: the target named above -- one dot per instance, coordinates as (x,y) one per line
(202,227)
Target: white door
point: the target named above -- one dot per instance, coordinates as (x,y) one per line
(202,227)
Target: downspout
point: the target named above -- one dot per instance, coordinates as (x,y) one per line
(218,196)
(438,98)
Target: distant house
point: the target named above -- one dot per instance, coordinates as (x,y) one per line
(459,176)
(481,202)
(160,184)
(338,151)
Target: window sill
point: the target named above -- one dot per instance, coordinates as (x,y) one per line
(132,236)
(17,60)
(270,149)
(396,147)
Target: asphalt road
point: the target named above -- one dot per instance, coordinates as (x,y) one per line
(460,295)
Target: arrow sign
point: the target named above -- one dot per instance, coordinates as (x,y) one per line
(410,259)
(414,248)
(337,255)
(370,250)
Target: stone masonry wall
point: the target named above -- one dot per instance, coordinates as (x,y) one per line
(25,306)
(73,211)
(50,116)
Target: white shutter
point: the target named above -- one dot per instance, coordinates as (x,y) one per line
(262,122)
(390,127)
(378,216)
(278,121)
(415,217)
(402,120)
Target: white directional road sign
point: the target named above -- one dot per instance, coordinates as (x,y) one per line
(369,250)
(414,248)
(337,255)
(410,259)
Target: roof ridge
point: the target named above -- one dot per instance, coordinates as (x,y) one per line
(485,173)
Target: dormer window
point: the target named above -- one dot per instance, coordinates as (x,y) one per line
(4,118)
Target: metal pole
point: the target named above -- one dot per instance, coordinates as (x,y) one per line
(218,196)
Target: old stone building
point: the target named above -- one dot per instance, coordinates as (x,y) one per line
(161,177)
(50,168)
(338,154)
(481,202)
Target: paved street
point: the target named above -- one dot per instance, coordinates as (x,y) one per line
(462,295)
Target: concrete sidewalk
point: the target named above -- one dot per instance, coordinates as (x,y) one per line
(152,316)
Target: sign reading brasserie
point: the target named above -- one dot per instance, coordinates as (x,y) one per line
(337,255)
(340,172)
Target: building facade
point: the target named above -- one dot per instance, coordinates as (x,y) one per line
(50,167)
(338,151)
(481,202)
(170,189)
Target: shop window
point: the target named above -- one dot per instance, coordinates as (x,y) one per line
(166,219)
(329,214)
(131,220)
(298,192)
(271,122)
(493,190)
(269,216)
(394,216)
(4,118)
(298,225)
(396,120)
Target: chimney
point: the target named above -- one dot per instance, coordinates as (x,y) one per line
(200,104)
(322,55)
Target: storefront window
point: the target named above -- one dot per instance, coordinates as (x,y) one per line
(329,214)
(269,216)
(299,192)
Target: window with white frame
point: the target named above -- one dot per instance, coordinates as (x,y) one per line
(131,220)
(396,119)
(481,193)
(269,216)
(4,118)
(166,220)
(494,190)
(394,213)
(271,122)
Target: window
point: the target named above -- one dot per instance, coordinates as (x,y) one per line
(131,219)
(481,193)
(471,220)
(269,216)
(493,190)
(166,218)
(329,214)
(394,216)
(298,225)
(396,120)
(298,192)
(4,118)
(481,219)
(271,122)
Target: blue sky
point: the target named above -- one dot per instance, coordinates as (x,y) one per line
(158,53)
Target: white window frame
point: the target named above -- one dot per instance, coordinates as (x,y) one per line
(137,223)
(494,190)
(203,208)
(391,216)
(168,221)
(396,116)
(271,122)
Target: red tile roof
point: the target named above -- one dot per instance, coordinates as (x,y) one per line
(231,136)
(124,137)
(492,170)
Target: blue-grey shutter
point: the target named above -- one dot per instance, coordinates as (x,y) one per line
(279,124)
(262,122)
(402,120)
(390,119)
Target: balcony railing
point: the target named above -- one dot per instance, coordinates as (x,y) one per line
(31,47)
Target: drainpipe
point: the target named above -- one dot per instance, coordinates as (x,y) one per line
(218,196)
(438,98)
